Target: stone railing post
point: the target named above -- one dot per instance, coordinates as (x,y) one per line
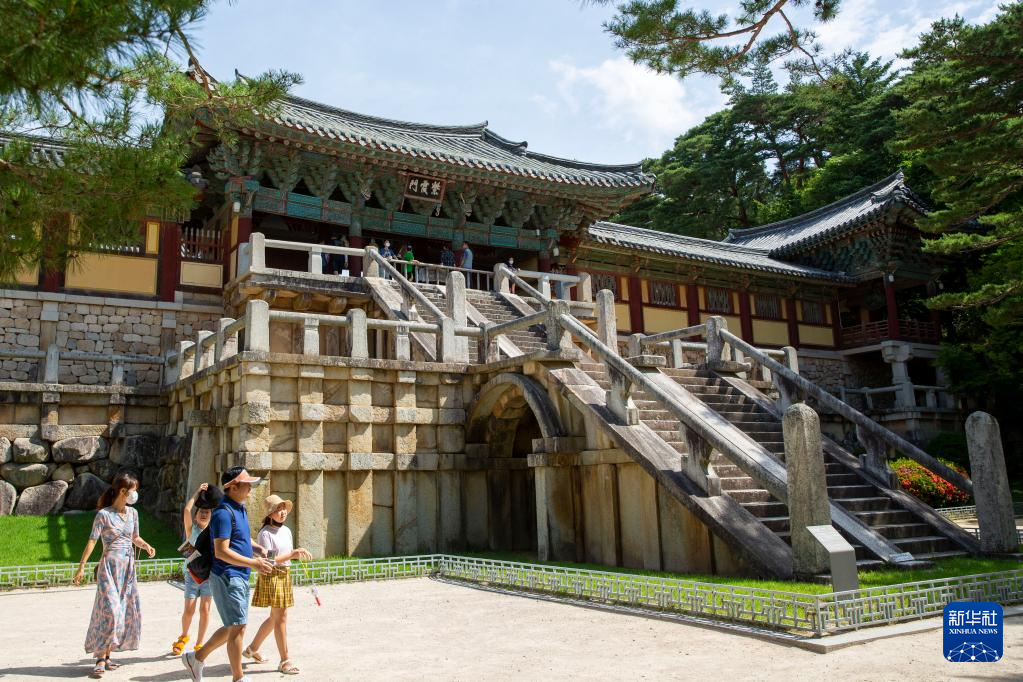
(619,396)
(807,488)
(715,344)
(489,350)
(678,356)
(875,457)
(257,251)
(171,372)
(635,345)
(501,283)
(223,346)
(456,309)
(257,326)
(558,337)
(791,359)
(117,373)
(203,357)
(449,348)
(990,485)
(311,337)
(544,285)
(787,393)
(358,333)
(697,463)
(607,319)
(316,261)
(372,268)
(186,366)
(402,345)
(584,289)
(51,368)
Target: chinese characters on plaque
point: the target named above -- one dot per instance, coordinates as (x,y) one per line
(422,187)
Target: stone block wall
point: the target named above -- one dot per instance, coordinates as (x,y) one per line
(34,320)
(372,452)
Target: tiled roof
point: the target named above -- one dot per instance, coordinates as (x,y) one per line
(45,150)
(472,145)
(704,250)
(796,234)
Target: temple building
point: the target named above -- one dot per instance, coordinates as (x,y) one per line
(416,403)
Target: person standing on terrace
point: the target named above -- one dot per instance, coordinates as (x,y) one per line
(466,263)
(447,257)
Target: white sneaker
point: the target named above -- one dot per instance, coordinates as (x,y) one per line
(193,665)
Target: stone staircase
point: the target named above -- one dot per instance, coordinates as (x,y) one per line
(847,487)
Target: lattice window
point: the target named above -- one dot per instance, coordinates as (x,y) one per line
(718,300)
(604,281)
(813,312)
(664,293)
(767,306)
(201,244)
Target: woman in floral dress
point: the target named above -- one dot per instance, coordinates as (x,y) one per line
(116,623)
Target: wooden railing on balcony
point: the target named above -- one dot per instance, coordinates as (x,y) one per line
(873,332)
(200,244)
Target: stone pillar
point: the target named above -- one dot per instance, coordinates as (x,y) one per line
(715,344)
(370,267)
(51,365)
(678,356)
(455,301)
(897,354)
(358,334)
(311,337)
(607,320)
(203,357)
(553,476)
(991,490)
(402,344)
(584,290)
(558,337)
(501,283)
(893,310)
(257,326)
(316,261)
(257,251)
(807,488)
(310,512)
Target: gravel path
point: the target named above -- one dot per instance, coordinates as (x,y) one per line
(424,629)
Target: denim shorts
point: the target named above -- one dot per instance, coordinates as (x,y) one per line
(231,595)
(194,590)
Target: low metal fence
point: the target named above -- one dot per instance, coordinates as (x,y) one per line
(966,513)
(813,615)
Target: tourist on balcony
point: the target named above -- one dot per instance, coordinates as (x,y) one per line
(466,257)
(341,260)
(275,591)
(204,501)
(234,559)
(409,257)
(388,253)
(510,264)
(116,623)
(447,257)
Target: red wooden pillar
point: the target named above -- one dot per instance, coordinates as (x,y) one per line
(893,309)
(793,322)
(636,305)
(544,261)
(355,241)
(745,317)
(693,304)
(169,260)
(836,324)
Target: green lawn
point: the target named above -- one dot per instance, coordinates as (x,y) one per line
(30,540)
(944,568)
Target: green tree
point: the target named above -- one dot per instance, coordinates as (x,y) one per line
(103,87)
(964,124)
(672,38)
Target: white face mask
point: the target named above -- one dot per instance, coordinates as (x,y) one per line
(133,497)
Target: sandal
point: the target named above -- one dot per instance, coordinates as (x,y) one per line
(285,668)
(198,647)
(254,655)
(179,645)
(98,669)
(110,664)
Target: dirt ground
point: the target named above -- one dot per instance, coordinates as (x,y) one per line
(425,629)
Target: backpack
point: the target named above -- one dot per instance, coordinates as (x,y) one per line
(200,563)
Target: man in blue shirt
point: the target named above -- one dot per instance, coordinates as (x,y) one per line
(229,576)
(466,256)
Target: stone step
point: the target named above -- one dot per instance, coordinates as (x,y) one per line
(885,517)
(904,530)
(858,504)
(778,524)
(925,544)
(661,425)
(740,418)
(730,483)
(680,447)
(766,509)
(750,495)
(841,492)
(842,478)
(945,554)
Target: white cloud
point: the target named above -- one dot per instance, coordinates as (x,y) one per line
(644,108)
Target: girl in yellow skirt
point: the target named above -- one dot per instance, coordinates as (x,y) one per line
(274,590)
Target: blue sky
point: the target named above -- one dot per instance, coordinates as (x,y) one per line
(538,70)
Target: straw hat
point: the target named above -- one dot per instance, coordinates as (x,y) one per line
(274,502)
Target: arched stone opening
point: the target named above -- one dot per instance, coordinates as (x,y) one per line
(511,412)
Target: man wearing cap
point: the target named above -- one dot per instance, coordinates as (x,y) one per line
(229,577)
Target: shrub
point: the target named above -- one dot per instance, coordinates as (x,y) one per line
(927,486)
